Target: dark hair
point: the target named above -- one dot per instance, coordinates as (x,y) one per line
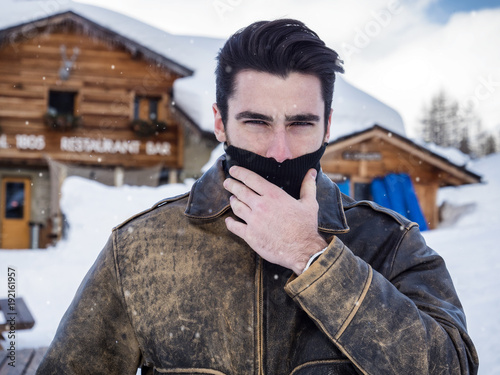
(277,47)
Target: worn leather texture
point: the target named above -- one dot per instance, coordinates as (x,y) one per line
(175,292)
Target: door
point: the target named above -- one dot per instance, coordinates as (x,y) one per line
(15,206)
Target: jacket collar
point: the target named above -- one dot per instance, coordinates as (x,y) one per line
(208,200)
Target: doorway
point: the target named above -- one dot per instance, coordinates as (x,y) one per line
(15,206)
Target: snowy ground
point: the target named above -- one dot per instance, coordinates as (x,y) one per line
(48,279)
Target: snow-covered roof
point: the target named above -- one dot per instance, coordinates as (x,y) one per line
(354,110)
(451,160)
(451,154)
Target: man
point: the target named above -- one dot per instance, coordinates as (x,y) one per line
(264,267)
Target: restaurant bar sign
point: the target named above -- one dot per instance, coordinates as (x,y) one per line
(31,142)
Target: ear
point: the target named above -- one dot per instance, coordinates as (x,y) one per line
(219,129)
(327,132)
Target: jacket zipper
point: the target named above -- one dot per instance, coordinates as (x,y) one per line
(260,308)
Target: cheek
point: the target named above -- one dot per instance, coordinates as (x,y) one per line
(256,145)
(306,143)
(247,139)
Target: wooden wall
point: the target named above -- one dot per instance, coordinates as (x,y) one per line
(387,159)
(106,78)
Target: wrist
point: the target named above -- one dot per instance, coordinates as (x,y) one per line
(313,251)
(313,258)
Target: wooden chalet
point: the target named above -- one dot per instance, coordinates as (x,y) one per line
(89,92)
(79,98)
(355,160)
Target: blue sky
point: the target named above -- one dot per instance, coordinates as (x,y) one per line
(440,11)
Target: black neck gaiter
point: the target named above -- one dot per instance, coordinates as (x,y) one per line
(287,175)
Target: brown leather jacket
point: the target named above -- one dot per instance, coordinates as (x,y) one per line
(175,291)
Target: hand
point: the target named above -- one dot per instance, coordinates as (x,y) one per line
(281,229)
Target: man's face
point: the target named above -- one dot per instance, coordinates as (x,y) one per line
(274,117)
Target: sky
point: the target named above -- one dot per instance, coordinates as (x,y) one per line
(441,11)
(400,51)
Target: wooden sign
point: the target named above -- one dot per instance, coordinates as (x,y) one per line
(357,155)
(105,148)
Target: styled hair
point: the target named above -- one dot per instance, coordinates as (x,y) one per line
(277,47)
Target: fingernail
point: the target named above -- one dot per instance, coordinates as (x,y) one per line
(314,173)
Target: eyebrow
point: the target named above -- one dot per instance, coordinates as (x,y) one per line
(259,116)
(253,115)
(306,117)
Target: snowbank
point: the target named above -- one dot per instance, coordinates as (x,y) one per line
(472,253)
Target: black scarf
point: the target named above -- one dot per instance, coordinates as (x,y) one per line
(287,175)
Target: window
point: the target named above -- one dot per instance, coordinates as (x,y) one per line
(62,102)
(146,108)
(14,200)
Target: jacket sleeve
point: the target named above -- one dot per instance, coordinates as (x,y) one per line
(409,322)
(95,335)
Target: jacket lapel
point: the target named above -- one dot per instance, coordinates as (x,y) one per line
(208,200)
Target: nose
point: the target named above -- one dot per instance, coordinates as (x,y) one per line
(279,147)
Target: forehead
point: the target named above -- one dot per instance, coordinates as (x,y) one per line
(296,92)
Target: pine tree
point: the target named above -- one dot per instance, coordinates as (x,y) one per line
(438,119)
(448,124)
(464,144)
(490,147)
(470,130)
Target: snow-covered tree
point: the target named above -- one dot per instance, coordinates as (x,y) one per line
(448,124)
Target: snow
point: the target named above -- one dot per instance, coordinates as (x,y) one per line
(48,279)
(354,110)
(214,155)
(452,154)
(472,253)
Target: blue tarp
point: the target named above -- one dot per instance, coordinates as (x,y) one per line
(395,191)
(344,186)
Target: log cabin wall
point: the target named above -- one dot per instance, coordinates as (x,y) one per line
(110,88)
(374,157)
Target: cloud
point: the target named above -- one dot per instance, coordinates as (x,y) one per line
(391,48)
(460,57)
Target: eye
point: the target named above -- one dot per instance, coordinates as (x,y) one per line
(255,122)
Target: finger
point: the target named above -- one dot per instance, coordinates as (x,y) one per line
(239,208)
(236,227)
(250,179)
(241,191)
(308,188)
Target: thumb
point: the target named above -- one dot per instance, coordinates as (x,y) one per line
(308,188)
